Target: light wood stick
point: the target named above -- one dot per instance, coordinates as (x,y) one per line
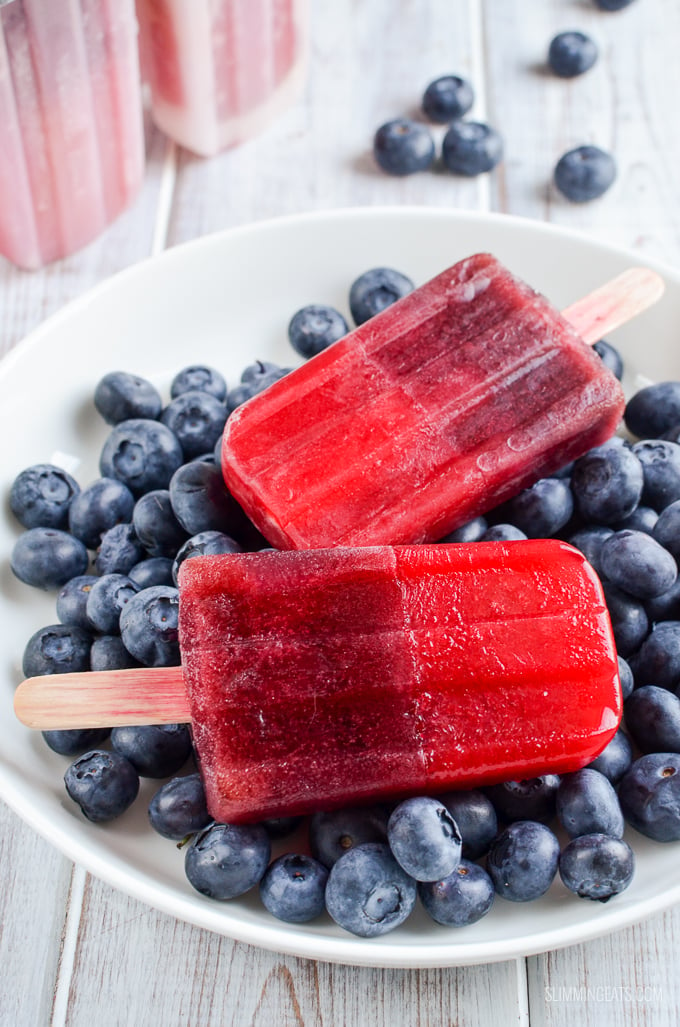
(107,698)
(157,695)
(614,303)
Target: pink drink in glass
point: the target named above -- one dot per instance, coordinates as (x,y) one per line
(220,70)
(71,134)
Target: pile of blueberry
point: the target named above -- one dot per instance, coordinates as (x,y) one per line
(403,146)
(112,548)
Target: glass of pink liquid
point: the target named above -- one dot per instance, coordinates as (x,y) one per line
(71,134)
(221,70)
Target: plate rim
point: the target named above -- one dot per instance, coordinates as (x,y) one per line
(280,937)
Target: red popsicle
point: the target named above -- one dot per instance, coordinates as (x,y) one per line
(324,678)
(448,402)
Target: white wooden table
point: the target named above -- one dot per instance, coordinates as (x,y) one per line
(72,950)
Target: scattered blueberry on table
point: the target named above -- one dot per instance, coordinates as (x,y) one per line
(584,173)
(447,98)
(403,146)
(571,53)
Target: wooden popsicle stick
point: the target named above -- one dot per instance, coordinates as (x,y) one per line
(614,303)
(108,698)
(148,695)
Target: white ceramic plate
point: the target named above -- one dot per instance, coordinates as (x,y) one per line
(226,300)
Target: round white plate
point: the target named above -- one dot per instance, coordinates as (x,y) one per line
(226,300)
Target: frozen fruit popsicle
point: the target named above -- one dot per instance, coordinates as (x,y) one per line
(434,411)
(322,678)
(71,137)
(220,70)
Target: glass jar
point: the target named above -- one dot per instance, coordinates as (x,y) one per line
(221,70)
(71,131)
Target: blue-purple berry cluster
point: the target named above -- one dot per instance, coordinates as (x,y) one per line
(404,145)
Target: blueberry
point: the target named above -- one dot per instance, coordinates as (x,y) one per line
(148,626)
(607,483)
(261,370)
(571,54)
(643,518)
(597,866)
(57,649)
(471,531)
(629,619)
(281,827)
(657,661)
(334,832)
(179,808)
(447,98)
(667,528)
(424,838)
(531,798)
(206,543)
(120,396)
(522,861)
(660,461)
(587,803)
(540,511)
(255,379)
(119,550)
(375,290)
(649,794)
(403,146)
(615,759)
(293,888)
(106,601)
(157,570)
(74,741)
(610,357)
(156,525)
(226,860)
(476,818)
(109,653)
(652,717)
(201,501)
(503,533)
(584,173)
(460,899)
(197,420)
(315,327)
(653,410)
(41,495)
(199,378)
(48,557)
(666,606)
(72,601)
(154,750)
(626,676)
(143,454)
(590,540)
(97,508)
(368,893)
(471,148)
(104,784)
(637,563)
(612,5)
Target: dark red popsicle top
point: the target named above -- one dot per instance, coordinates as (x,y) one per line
(437,409)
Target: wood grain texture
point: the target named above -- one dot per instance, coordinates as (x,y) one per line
(627,978)
(33,902)
(129,949)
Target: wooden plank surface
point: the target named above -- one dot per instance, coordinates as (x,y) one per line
(96,955)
